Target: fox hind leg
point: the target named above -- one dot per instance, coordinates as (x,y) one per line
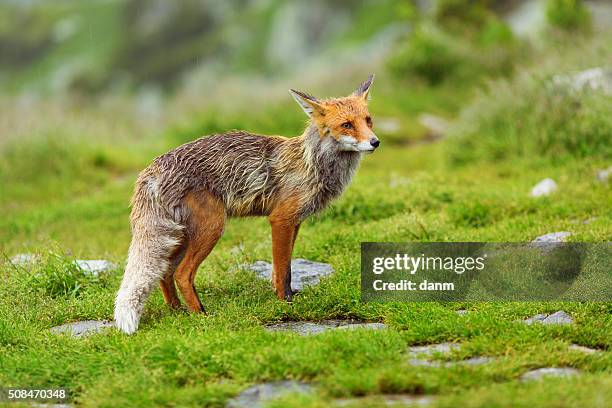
(204,228)
(166,284)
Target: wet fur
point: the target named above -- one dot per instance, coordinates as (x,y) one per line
(182,199)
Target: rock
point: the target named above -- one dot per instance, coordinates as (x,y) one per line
(307,328)
(397,181)
(559,317)
(553,237)
(544,188)
(417,353)
(24,259)
(388,125)
(604,174)
(92,267)
(436,126)
(537,318)
(84,328)
(389,400)
(595,79)
(65,28)
(527,18)
(431,349)
(303,272)
(549,372)
(368,326)
(474,361)
(257,395)
(95,266)
(583,349)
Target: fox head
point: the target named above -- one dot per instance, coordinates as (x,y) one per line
(346,120)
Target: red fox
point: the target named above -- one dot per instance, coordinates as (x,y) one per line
(181,201)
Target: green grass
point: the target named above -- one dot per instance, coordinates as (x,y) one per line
(71,198)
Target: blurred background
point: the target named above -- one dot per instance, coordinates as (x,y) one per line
(91,91)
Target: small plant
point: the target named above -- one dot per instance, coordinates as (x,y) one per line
(58,276)
(531,116)
(569,15)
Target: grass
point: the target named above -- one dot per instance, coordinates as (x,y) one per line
(71,198)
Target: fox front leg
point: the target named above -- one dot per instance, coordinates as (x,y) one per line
(283,237)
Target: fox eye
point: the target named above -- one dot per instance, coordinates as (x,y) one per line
(347,125)
(369,121)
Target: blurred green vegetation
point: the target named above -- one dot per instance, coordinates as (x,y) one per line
(68,165)
(569,15)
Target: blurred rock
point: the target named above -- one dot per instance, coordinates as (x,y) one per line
(65,28)
(299,28)
(431,349)
(307,328)
(303,272)
(583,349)
(149,104)
(436,126)
(549,372)
(257,395)
(544,188)
(84,328)
(398,181)
(527,19)
(595,79)
(604,175)
(24,259)
(388,125)
(95,266)
(559,317)
(386,400)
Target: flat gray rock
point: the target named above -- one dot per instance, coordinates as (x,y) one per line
(307,328)
(257,395)
(389,400)
(303,272)
(549,372)
(95,266)
(431,349)
(420,356)
(474,361)
(553,237)
(84,328)
(583,349)
(559,317)
(544,188)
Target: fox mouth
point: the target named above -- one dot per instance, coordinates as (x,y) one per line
(350,144)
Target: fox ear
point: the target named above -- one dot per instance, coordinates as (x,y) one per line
(363,89)
(308,103)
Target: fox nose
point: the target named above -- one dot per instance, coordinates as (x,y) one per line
(374,141)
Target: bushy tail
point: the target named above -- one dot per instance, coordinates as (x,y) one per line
(154,238)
